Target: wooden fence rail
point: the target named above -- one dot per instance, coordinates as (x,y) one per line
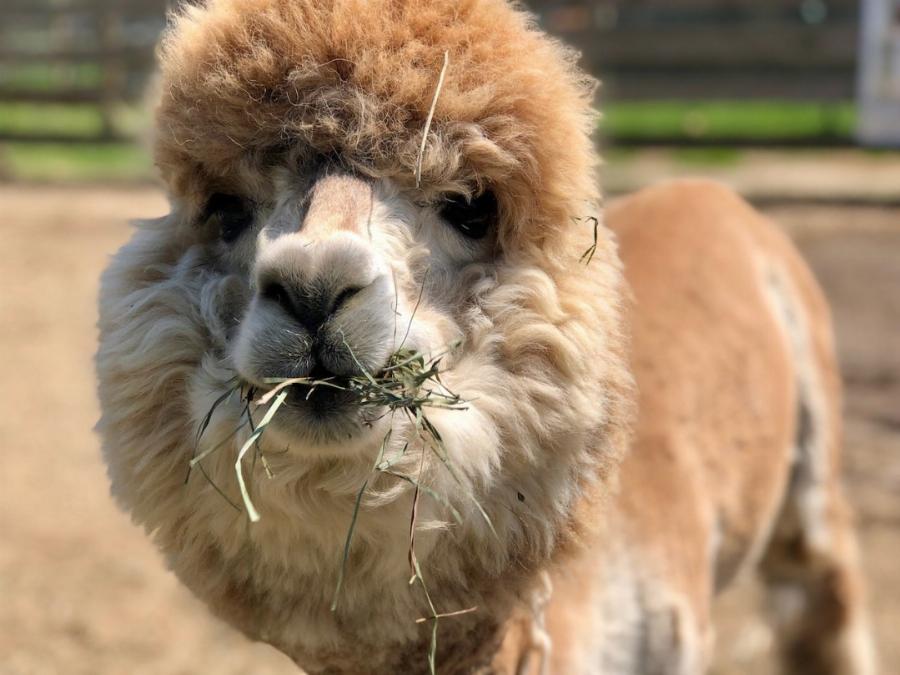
(95,53)
(725,49)
(100,52)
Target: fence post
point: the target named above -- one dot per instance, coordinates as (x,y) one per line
(879,89)
(110,28)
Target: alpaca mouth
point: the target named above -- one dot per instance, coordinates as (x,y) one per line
(329,406)
(320,406)
(316,414)
(328,396)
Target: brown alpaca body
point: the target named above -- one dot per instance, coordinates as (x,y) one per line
(351,179)
(735,460)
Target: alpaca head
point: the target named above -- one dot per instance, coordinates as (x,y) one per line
(335,275)
(320,223)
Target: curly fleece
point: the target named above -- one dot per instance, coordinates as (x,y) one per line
(357,77)
(249,85)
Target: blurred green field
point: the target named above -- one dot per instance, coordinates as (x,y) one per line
(26,158)
(74,163)
(623,124)
(52,77)
(743,120)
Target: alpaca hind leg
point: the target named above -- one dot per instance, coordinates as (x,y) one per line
(813,575)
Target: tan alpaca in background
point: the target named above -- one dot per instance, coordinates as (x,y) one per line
(632,456)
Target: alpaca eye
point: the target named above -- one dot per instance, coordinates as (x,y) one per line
(471,218)
(230,213)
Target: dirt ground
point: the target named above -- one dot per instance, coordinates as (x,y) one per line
(84,592)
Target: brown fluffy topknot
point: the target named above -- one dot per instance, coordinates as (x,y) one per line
(247,82)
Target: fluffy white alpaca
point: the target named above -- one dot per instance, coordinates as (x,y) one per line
(319,224)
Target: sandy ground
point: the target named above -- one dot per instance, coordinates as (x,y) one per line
(81,589)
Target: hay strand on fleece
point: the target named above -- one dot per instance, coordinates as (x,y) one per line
(428,120)
(252,513)
(588,255)
(353,518)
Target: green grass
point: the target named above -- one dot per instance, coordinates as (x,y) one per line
(51,162)
(50,77)
(31,119)
(708,156)
(71,162)
(733,119)
(739,119)
(76,120)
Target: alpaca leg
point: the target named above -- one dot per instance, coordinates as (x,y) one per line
(535,657)
(668,635)
(813,575)
(676,642)
(811,566)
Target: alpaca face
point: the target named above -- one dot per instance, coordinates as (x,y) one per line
(338,272)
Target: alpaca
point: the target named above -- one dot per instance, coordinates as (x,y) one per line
(635,426)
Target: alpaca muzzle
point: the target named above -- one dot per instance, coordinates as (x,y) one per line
(323,299)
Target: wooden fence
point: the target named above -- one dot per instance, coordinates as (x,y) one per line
(714,49)
(100,52)
(96,53)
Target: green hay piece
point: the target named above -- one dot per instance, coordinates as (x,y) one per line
(588,255)
(250,442)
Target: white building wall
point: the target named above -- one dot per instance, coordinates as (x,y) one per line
(879,77)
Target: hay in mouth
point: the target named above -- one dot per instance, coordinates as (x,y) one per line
(409,384)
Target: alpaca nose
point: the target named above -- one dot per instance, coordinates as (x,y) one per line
(311,274)
(320,307)
(310,306)
(311,282)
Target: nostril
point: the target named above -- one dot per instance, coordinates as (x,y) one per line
(311,306)
(274,291)
(343,297)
